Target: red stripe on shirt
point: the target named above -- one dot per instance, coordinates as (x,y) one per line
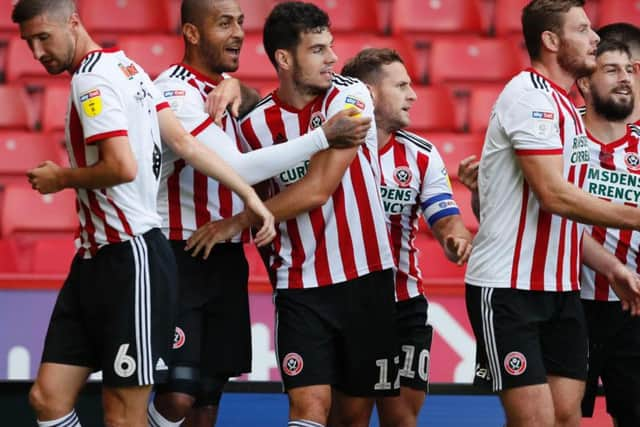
(249,135)
(120,213)
(519,237)
(201,198)
(105,135)
(540,250)
(202,126)
(541,152)
(297,255)
(347,254)
(599,234)
(161,106)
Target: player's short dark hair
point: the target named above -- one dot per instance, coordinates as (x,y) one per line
(611,45)
(193,11)
(24,10)
(367,64)
(544,15)
(287,22)
(625,33)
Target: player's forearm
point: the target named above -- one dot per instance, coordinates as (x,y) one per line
(570,202)
(100,175)
(259,165)
(450,226)
(596,257)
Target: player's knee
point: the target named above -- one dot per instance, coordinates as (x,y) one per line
(43,401)
(173,406)
(310,405)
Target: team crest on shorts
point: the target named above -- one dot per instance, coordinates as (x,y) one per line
(178,338)
(515,363)
(292,364)
(317,119)
(402,176)
(632,160)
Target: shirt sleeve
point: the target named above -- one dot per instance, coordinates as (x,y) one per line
(532,124)
(100,108)
(436,197)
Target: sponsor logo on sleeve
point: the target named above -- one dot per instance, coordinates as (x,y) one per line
(172,93)
(353,102)
(91,102)
(128,70)
(542,115)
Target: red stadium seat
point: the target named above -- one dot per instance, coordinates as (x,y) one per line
(434,110)
(28,212)
(436,16)
(453,147)
(52,255)
(20,66)
(481,103)
(9,255)
(613,11)
(507,16)
(16,112)
(254,63)
(21,151)
(155,53)
(350,16)
(6,24)
(124,16)
(454,60)
(54,107)
(436,268)
(347,46)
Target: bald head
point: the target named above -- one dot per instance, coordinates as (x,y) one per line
(195,11)
(25,10)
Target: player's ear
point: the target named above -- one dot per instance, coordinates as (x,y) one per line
(636,68)
(191,33)
(283,58)
(372,92)
(583,85)
(550,41)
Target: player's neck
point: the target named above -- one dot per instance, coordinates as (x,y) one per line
(384,137)
(635,115)
(84,45)
(602,129)
(555,73)
(293,95)
(196,63)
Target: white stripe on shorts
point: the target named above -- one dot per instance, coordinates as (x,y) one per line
(489,336)
(142,311)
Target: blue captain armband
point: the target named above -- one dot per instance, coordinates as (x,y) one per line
(438,207)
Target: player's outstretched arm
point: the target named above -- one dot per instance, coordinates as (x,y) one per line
(454,238)
(210,164)
(325,172)
(116,165)
(556,195)
(625,282)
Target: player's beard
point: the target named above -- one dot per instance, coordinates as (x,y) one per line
(63,64)
(303,87)
(611,110)
(214,57)
(572,62)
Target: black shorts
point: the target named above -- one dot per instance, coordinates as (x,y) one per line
(343,335)
(524,336)
(614,356)
(116,311)
(213,327)
(415,337)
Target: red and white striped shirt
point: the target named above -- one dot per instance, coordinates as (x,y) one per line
(112,96)
(414,181)
(188,199)
(347,237)
(614,176)
(519,245)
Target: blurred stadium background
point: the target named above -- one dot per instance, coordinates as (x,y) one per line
(459,53)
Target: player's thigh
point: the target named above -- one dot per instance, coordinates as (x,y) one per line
(414,336)
(139,291)
(369,342)
(307,341)
(505,323)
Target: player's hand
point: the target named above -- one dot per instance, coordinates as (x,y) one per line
(347,128)
(468,173)
(46,178)
(457,249)
(227,94)
(626,285)
(259,214)
(205,237)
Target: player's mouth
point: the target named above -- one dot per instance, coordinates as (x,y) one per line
(622,90)
(233,51)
